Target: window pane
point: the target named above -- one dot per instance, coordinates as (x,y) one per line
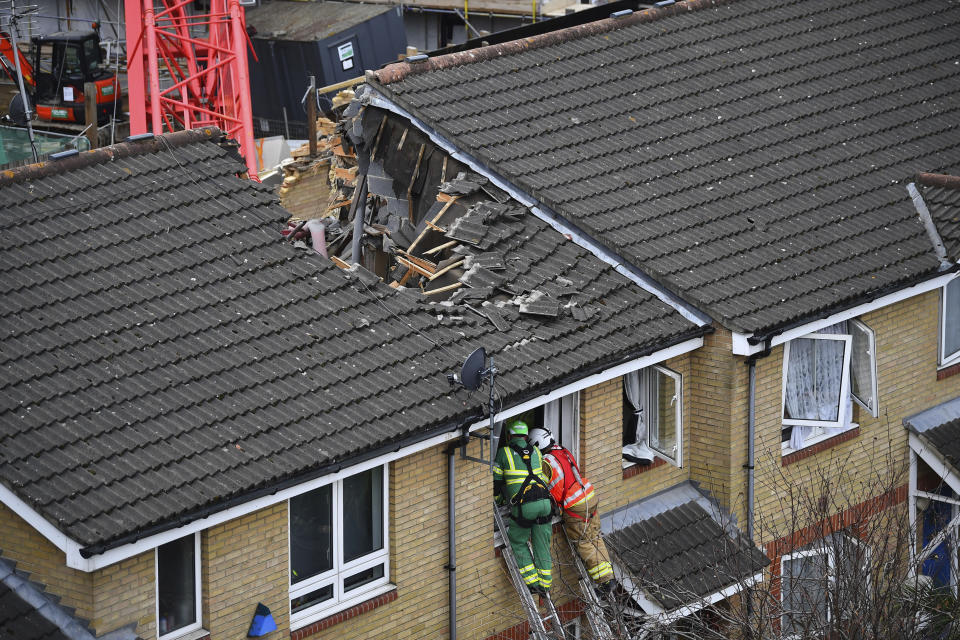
(951,318)
(311,534)
(362,514)
(861,366)
(309,599)
(803,593)
(364,577)
(176,584)
(663,434)
(814,379)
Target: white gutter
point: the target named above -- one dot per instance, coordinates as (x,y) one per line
(742,347)
(542,211)
(72,548)
(595,379)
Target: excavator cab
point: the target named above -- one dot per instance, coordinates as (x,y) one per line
(63,63)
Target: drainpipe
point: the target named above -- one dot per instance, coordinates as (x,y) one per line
(751,451)
(751,432)
(451,566)
(752,429)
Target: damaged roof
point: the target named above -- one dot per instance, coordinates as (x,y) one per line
(679,547)
(941,194)
(166,355)
(746,155)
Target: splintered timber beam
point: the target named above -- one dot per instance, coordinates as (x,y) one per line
(438,249)
(413,179)
(447,268)
(376,142)
(435,220)
(413,266)
(403,139)
(449,287)
(337,205)
(435,227)
(340,263)
(423,263)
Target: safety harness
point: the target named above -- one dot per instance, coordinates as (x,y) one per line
(531,490)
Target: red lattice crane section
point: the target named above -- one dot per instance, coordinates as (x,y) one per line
(187,69)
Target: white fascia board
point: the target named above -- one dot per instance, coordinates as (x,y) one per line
(713,598)
(935,461)
(648,284)
(742,347)
(644,599)
(597,378)
(72,548)
(42,525)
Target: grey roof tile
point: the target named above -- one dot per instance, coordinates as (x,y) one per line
(164,351)
(657,137)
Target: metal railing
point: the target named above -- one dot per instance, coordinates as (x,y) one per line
(15,145)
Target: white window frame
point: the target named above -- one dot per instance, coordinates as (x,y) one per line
(818,434)
(823,549)
(946,359)
(341,570)
(561,417)
(198,599)
(677,457)
(872,338)
(847,339)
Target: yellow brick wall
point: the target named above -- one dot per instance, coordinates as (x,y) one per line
(307,197)
(45,563)
(244,561)
(906,344)
(601,443)
(125,592)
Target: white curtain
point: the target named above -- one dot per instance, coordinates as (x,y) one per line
(634,390)
(814,378)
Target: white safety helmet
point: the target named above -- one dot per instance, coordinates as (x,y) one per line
(540,438)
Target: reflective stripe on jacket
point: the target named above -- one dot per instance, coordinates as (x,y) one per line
(510,468)
(566,486)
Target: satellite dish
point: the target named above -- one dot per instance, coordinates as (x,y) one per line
(472,367)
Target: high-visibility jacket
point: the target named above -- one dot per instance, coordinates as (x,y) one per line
(510,469)
(566,485)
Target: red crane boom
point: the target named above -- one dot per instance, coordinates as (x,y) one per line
(205,58)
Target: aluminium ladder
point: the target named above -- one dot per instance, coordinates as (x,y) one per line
(592,607)
(538,629)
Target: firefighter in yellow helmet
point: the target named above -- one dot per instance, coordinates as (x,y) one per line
(518,478)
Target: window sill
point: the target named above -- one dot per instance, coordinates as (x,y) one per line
(196,634)
(387,594)
(948,370)
(635,468)
(790,456)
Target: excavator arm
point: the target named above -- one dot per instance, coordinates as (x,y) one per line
(8,61)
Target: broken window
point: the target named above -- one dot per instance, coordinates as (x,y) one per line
(823,373)
(178,586)
(950,323)
(653,416)
(338,550)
